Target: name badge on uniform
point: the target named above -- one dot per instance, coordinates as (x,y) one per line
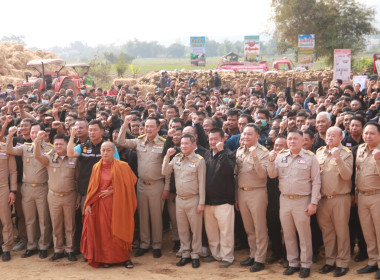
(284,160)
(348,144)
(192,164)
(361,153)
(89,151)
(157,147)
(29,149)
(54,160)
(301,161)
(142,146)
(70,162)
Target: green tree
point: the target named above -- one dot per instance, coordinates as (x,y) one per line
(337,24)
(121,66)
(100,69)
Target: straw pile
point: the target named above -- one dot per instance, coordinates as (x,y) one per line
(13,60)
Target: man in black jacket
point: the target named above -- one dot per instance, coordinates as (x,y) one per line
(220,198)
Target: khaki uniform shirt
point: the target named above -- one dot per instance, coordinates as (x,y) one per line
(189,173)
(297,174)
(252,171)
(367,169)
(63,172)
(335,174)
(149,156)
(7,167)
(33,171)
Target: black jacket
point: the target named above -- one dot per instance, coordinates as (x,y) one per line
(220,182)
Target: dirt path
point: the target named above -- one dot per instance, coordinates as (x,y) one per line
(146,267)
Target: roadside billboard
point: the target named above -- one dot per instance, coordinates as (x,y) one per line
(198,51)
(306,47)
(342,64)
(251,47)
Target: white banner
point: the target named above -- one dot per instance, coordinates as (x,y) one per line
(342,65)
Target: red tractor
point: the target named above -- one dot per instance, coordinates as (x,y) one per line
(49,77)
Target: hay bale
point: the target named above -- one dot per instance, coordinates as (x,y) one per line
(124,81)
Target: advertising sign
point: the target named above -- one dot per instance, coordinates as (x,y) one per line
(342,64)
(251,47)
(306,47)
(198,51)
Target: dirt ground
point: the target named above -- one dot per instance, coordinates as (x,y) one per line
(146,267)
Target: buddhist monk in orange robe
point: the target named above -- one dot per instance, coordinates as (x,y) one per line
(108,222)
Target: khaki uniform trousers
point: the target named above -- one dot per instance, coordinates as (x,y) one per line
(188,220)
(369,213)
(21,228)
(150,206)
(219,223)
(172,215)
(253,208)
(62,213)
(37,217)
(294,219)
(5,219)
(333,216)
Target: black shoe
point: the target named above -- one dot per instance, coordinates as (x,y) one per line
(77,252)
(248,262)
(257,267)
(157,253)
(141,251)
(177,245)
(291,270)
(377,275)
(71,257)
(326,269)
(304,272)
(367,269)
(361,256)
(6,256)
(273,259)
(43,254)
(340,271)
(315,258)
(29,253)
(195,263)
(56,256)
(183,261)
(1,251)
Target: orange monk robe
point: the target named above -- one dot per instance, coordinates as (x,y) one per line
(108,239)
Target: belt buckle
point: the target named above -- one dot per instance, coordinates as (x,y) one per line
(329,196)
(60,195)
(367,193)
(291,197)
(245,189)
(34,185)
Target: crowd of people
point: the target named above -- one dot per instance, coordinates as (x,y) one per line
(286,172)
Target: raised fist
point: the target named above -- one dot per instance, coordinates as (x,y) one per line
(220,146)
(12,130)
(40,135)
(272,155)
(170,152)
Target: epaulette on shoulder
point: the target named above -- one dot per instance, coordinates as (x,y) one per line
(263,148)
(162,139)
(141,136)
(199,156)
(27,143)
(347,150)
(283,150)
(321,148)
(241,147)
(362,145)
(310,153)
(177,155)
(51,145)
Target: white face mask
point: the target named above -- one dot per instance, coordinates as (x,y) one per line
(45,101)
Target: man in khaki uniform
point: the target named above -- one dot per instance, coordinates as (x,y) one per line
(190,179)
(34,193)
(252,197)
(368,192)
(333,212)
(152,186)
(7,199)
(300,183)
(63,193)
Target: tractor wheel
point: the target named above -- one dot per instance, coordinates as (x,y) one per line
(68,84)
